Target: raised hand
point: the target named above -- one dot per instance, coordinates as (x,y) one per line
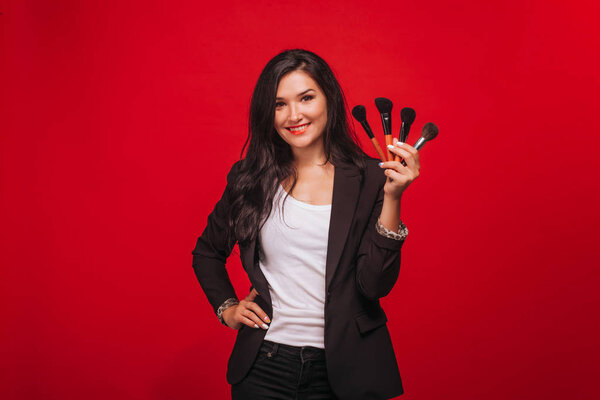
(400,176)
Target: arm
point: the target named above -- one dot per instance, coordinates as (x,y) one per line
(211,251)
(378,260)
(210,257)
(390,213)
(378,263)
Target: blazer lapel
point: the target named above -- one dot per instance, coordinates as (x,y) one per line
(346,188)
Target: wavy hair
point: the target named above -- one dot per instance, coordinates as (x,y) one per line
(269,158)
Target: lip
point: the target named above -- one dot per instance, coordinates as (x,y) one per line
(289,128)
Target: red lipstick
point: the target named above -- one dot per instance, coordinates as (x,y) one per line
(298,131)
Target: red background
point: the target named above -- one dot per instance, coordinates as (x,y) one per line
(120,119)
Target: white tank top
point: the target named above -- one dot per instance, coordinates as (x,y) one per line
(292,256)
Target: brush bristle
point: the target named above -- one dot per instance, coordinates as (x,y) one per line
(359,113)
(430,131)
(408,115)
(384,105)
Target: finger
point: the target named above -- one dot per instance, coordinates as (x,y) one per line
(406,155)
(402,151)
(249,322)
(252,316)
(252,295)
(407,147)
(395,165)
(397,177)
(259,311)
(406,175)
(413,151)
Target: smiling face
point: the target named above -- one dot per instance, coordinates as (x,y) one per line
(300,110)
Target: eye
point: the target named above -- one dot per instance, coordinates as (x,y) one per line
(308,97)
(279,104)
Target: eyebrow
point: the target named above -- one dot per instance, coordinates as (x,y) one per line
(299,94)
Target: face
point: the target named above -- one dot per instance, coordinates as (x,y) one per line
(300,110)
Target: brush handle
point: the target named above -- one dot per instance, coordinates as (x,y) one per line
(398,158)
(378,148)
(404,128)
(402,134)
(420,143)
(405,131)
(388,141)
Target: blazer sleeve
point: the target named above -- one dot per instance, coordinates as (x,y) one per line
(212,250)
(378,258)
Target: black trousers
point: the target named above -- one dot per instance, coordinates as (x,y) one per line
(285,372)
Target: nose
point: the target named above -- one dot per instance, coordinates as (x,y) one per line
(295,113)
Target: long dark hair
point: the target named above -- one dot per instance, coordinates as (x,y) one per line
(269,158)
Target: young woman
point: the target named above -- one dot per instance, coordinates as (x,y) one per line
(318,226)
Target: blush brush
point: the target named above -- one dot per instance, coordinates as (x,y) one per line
(429,132)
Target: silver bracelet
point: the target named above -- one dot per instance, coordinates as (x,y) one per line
(232,301)
(383,231)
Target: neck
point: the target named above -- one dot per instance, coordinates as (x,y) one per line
(309,157)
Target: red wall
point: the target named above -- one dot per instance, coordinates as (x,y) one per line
(120,119)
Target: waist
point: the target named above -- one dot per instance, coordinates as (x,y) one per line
(297,327)
(302,353)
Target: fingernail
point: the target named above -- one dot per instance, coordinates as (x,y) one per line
(399,143)
(256,326)
(390,146)
(380,164)
(394,140)
(267,319)
(265,326)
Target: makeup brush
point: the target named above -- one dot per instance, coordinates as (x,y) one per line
(385,109)
(407,115)
(360,114)
(429,132)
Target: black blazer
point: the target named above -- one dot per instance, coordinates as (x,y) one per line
(361,267)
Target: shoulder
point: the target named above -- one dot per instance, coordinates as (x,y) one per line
(373,172)
(367,170)
(372,163)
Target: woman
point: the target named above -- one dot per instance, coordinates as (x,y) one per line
(319,232)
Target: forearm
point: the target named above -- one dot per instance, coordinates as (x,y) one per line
(213,277)
(378,261)
(390,213)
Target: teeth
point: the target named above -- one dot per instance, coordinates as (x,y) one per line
(300,128)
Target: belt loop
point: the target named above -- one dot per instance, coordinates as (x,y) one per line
(275,348)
